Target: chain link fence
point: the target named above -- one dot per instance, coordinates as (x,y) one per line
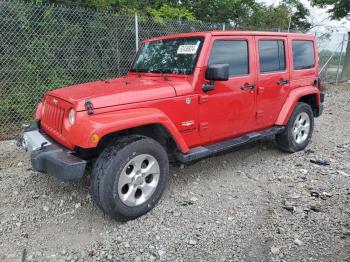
(332,48)
(44,47)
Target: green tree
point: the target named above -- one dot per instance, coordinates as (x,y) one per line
(250,13)
(277,17)
(338,9)
(240,13)
(169,12)
(268,17)
(298,15)
(221,10)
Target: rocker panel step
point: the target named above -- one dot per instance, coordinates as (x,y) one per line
(210,150)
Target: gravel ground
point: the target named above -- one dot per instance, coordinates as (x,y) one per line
(255,204)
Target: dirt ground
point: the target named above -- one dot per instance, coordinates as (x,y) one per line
(253,204)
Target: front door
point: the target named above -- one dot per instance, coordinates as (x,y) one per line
(273,78)
(229,109)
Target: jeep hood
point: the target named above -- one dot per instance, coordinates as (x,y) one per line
(115,92)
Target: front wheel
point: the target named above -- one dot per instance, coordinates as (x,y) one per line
(129,177)
(298,132)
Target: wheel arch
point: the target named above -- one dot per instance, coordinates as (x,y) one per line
(155,131)
(142,120)
(309,95)
(311,100)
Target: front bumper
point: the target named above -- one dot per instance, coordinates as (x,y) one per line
(49,157)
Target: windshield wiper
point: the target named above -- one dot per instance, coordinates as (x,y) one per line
(137,72)
(162,72)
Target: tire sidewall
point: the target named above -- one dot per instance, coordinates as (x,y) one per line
(110,200)
(300,107)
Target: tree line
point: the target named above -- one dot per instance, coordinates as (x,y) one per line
(291,14)
(249,13)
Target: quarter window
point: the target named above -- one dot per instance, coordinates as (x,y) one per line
(303,54)
(231,52)
(272,56)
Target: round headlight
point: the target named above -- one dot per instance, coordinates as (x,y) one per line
(71,116)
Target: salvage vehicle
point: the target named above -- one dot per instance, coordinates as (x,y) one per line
(186,97)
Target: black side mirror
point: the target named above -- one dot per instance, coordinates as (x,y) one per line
(216,72)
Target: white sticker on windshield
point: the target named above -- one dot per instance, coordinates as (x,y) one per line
(187,49)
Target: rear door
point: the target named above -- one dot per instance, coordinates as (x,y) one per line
(273,78)
(304,69)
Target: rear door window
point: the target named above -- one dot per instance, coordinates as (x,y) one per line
(303,54)
(231,52)
(272,56)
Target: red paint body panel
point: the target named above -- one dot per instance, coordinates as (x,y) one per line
(271,96)
(191,116)
(291,101)
(227,111)
(103,124)
(125,90)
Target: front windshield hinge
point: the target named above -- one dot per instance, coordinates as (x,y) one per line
(89,107)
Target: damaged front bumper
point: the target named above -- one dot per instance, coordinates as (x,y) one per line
(47,156)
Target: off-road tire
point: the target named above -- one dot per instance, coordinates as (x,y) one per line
(108,168)
(285,140)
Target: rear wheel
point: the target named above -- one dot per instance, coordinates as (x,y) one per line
(298,132)
(129,177)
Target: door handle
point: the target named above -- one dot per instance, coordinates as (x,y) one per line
(283,82)
(248,87)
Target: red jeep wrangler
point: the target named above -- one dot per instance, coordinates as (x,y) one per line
(186,97)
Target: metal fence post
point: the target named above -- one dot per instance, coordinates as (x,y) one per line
(341,51)
(223,26)
(136,32)
(289,22)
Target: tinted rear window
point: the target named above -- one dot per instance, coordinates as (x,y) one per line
(231,52)
(272,56)
(303,54)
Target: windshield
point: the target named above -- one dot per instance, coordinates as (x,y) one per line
(174,56)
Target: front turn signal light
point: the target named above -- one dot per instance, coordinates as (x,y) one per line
(95,138)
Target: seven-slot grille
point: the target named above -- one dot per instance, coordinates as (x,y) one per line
(53,115)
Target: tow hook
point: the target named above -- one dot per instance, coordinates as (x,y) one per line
(42,145)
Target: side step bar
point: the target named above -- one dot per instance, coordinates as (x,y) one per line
(210,150)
